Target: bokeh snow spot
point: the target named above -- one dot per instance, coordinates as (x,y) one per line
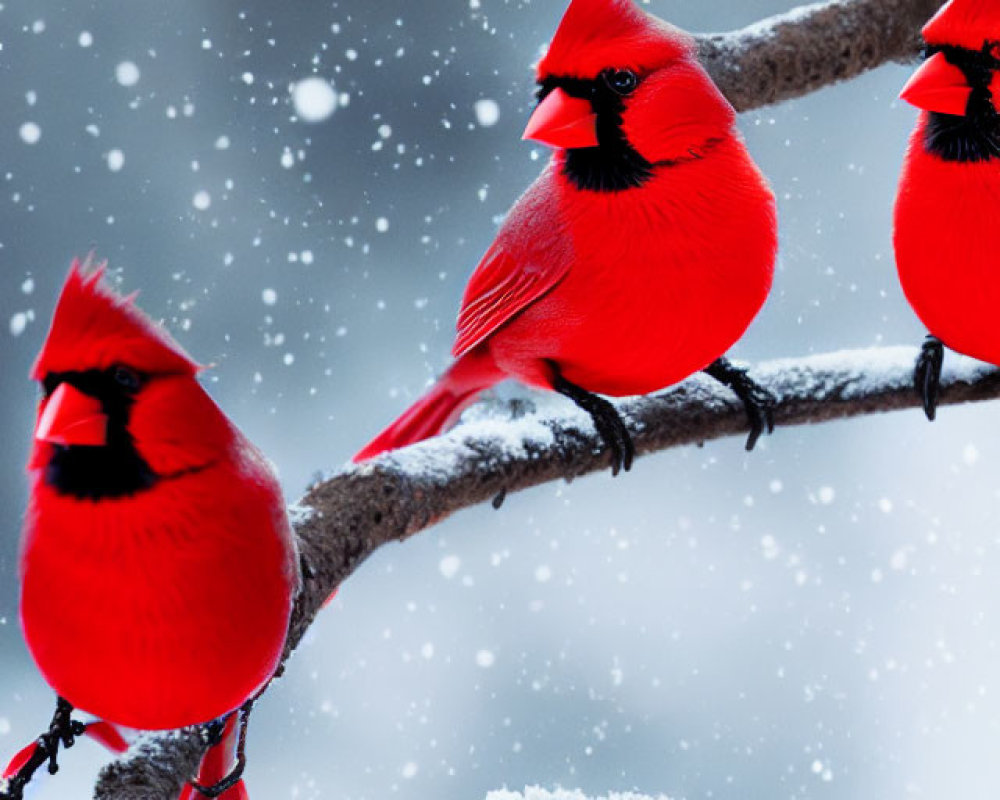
(449,566)
(127,73)
(314,99)
(487,112)
(30,133)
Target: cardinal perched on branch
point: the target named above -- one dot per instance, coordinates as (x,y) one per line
(158,567)
(640,254)
(948,202)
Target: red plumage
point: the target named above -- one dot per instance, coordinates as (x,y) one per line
(948,198)
(964,23)
(596,34)
(625,275)
(157,571)
(93,325)
(944,255)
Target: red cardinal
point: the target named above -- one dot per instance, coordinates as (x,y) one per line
(639,255)
(948,201)
(158,567)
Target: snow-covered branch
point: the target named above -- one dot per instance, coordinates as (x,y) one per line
(792,54)
(503,448)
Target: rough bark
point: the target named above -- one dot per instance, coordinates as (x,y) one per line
(345,518)
(792,54)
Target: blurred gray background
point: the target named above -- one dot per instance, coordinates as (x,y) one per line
(817,619)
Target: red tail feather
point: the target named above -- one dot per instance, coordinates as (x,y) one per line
(17,762)
(440,407)
(102,732)
(107,734)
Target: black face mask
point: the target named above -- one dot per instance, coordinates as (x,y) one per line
(976,135)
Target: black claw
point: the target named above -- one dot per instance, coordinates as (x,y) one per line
(758,401)
(608,422)
(62,731)
(760,412)
(214,732)
(927,374)
(617,440)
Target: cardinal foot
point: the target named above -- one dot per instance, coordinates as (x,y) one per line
(214,733)
(927,375)
(63,731)
(758,401)
(610,426)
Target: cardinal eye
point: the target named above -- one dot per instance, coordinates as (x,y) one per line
(622,81)
(127,378)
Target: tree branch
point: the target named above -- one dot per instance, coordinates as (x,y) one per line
(792,54)
(341,521)
(345,518)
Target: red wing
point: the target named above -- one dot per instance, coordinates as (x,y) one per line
(500,288)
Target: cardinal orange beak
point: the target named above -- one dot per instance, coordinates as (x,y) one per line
(938,86)
(563,121)
(72,418)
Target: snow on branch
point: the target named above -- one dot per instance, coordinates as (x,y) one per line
(795,53)
(508,447)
